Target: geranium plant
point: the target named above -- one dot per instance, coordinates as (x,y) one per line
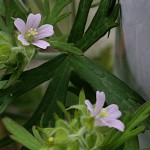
(61,120)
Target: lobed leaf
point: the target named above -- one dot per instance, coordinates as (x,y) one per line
(21,135)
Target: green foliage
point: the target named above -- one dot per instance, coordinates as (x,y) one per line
(79,130)
(55,15)
(22,135)
(70,65)
(77,30)
(132,144)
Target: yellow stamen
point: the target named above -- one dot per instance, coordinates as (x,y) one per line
(103,113)
(32,32)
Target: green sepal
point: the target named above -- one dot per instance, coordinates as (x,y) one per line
(82,108)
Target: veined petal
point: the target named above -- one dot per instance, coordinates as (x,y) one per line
(41,44)
(20,25)
(115,123)
(45,31)
(100,100)
(100,122)
(89,106)
(22,39)
(33,21)
(113,111)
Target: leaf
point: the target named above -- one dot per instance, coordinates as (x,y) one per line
(63,16)
(3,26)
(66,47)
(103,21)
(37,134)
(2,8)
(82,108)
(63,109)
(116,91)
(132,144)
(82,97)
(58,7)
(46,7)
(77,30)
(124,138)
(21,135)
(139,116)
(56,90)
(35,76)
(54,16)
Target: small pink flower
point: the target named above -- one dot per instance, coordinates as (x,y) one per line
(105,116)
(31,33)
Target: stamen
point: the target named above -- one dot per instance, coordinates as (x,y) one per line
(32,32)
(103,113)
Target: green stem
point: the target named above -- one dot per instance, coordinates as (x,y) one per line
(81,139)
(83,143)
(46,56)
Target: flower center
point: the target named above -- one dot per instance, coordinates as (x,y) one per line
(103,113)
(31,34)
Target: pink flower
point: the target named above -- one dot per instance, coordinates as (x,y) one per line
(105,116)
(31,33)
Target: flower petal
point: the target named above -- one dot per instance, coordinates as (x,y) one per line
(22,39)
(100,100)
(45,31)
(41,44)
(20,25)
(89,106)
(113,111)
(115,123)
(33,21)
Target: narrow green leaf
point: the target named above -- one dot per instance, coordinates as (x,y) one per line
(58,7)
(37,135)
(116,91)
(125,137)
(139,115)
(82,97)
(132,144)
(77,30)
(46,7)
(3,26)
(62,107)
(57,89)
(2,8)
(35,76)
(66,47)
(21,135)
(63,16)
(100,25)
